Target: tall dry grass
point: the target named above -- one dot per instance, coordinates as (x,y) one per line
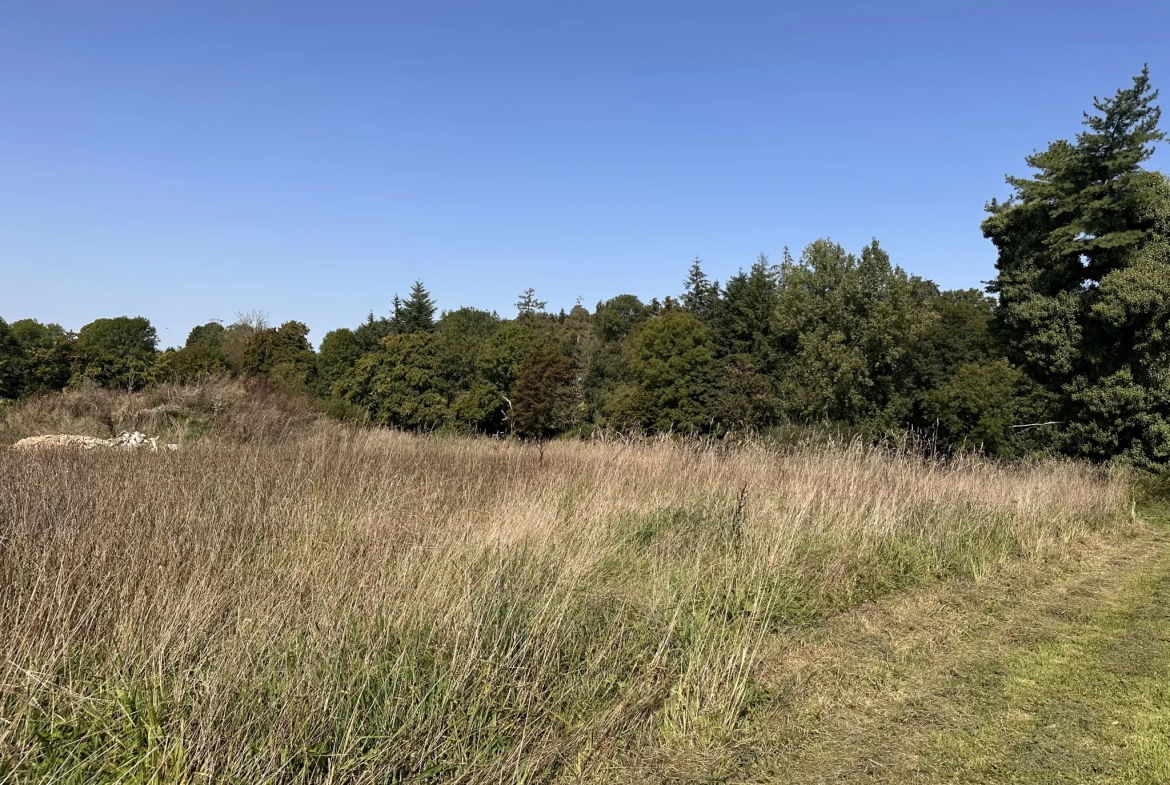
(237,410)
(373,607)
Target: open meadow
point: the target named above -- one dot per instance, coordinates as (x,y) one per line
(670,472)
(368,606)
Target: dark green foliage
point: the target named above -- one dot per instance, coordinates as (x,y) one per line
(616,318)
(528,305)
(958,333)
(339,351)
(741,396)
(846,326)
(13,373)
(503,353)
(545,395)
(966,394)
(480,409)
(197,362)
(461,334)
(210,334)
(699,293)
(282,354)
(202,357)
(607,385)
(48,355)
(476,404)
(400,384)
(670,358)
(976,406)
(417,313)
(743,319)
(369,334)
(118,352)
(1084,284)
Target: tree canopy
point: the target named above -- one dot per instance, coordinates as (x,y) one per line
(1069,354)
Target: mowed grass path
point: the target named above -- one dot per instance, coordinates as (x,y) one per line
(1055,674)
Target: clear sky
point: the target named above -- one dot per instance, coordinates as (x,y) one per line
(187,160)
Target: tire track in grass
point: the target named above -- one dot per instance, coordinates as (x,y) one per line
(1044,673)
(1090,706)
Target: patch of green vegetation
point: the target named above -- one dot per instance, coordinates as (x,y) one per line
(110,733)
(1090,704)
(685,523)
(700,543)
(1152,496)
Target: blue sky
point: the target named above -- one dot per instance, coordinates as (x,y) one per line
(187,160)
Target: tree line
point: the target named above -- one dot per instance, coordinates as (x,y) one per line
(1068,350)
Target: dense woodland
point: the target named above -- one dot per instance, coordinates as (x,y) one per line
(1067,352)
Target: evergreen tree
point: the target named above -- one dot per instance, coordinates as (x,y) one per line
(528,305)
(369,334)
(417,313)
(544,396)
(1084,280)
(401,384)
(699,294)
(743,318)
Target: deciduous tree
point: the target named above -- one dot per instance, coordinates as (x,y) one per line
(116,352)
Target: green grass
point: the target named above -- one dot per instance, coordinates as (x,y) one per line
(1090,705)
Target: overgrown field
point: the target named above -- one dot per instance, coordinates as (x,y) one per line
(361,606)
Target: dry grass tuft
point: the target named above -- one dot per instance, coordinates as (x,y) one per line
(231,410)
(371,607)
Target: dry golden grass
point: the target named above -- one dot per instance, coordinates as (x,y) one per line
(233,410)
(357,606)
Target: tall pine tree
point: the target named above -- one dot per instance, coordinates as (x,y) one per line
(1084,280)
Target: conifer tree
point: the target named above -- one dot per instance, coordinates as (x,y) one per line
(544,395)
(528,305)
(743,316)
(417,313)
(700,293)
(369,334)
(1084,280)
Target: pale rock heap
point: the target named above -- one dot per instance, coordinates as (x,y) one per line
(125,441)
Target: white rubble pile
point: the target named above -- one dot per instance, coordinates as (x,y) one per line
(125,441)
